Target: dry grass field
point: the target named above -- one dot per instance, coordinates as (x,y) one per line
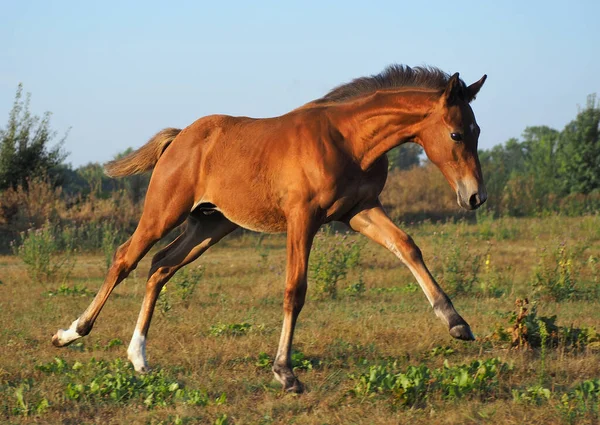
(374,354)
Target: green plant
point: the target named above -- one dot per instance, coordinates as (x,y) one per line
(186,282)
(110,238)
(356,289)
(116,382)
(233,329)
(535,395)
(74,291)
(581,402)
(459,268)
(264,360)
(27,404)
(44,255)
(418,383)
(555,275)
(332,257)
(493,283)
(163,301)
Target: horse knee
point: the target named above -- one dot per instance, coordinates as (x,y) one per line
(406,248)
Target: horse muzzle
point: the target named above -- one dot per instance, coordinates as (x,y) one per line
(471,198)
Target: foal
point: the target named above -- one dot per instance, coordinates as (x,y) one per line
(322,162)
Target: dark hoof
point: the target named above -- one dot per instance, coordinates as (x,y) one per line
(286,377)
(296,387)
(462,332)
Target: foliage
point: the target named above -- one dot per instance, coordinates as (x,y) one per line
(116,382)
(459,268)
(405,156)
(232,329)
(580,150)
(74,290)
(332,257)
(418,383)
(555,276)
(24,145)
(47,253)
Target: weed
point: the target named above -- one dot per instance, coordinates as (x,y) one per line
(555,275)
(414,386)
(185,283)
(73,291)
(110,239)
(233,329)
(332,257)
(356,289)
(459,269)
(44,255)
(117,383)
(535,395)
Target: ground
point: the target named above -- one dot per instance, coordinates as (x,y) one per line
(210,345)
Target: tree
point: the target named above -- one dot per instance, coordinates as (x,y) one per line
(579,148)
(25,150)
(405,156)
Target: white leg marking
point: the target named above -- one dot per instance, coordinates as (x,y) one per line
(66,336)
(136,353)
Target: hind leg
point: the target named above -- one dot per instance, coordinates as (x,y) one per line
(200,234)
(163,210)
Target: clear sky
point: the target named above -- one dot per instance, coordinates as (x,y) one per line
(117,72)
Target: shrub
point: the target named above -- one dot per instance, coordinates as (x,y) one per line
(555,276)
(331,259)
(459,268)
(45,255)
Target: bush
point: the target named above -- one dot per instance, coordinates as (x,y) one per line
(332,257)
(555,276)
(47,253)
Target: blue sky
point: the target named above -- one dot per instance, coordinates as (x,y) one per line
(117,72)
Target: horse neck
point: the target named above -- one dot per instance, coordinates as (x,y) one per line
(375,124)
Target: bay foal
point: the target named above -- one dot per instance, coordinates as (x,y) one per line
(324,161)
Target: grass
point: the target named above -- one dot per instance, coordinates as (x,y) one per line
(378,358)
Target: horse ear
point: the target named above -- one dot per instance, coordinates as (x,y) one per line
(474,88)
(452,89)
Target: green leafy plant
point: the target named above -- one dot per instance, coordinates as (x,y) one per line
(535,395)
(555,276)
(116,382)
(459,270)
(233,329)
(332,257)
(45,255)
(417,383)
(73,291)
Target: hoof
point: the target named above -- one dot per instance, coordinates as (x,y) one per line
(462,332)
(286,377)
(56,341)
(59,340)
(296,387)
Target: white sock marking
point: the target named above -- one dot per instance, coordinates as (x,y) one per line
(68,335)
(137,352)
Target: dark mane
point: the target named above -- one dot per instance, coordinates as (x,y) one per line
(394,76)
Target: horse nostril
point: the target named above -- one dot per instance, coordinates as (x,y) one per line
(474,201)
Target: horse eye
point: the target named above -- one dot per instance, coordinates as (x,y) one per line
(457,137)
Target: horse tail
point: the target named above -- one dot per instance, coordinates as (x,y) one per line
(145,158)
